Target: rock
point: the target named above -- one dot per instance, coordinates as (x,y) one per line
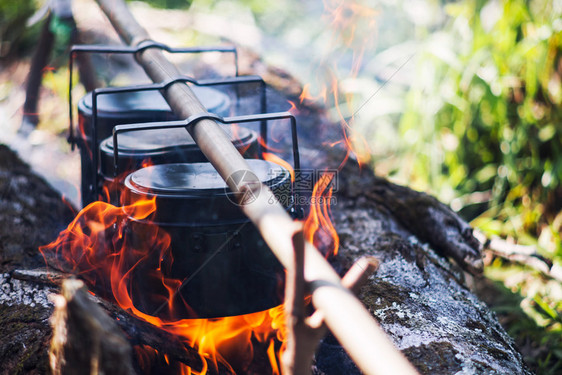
(418,296)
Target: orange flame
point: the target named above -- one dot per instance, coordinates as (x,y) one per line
(293,108)
(353,31)
(349,141)
(268,146)
(318,227)
(68,204)
(307,96)
(354,25)
(235,129)
(277,160)
(82,130)
(348,20)
(97,246)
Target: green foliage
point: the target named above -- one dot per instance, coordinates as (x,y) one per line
(13,15)
(540,342)
(486,110)
(490,99)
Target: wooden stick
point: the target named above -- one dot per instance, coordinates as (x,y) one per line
(522,254)
(304,335)
(85,340)
(344,314)
(359,273)
(301,339)
(353,280)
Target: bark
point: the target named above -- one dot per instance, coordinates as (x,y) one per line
(431,221)
(417,295)
(32,213)
(24,327)
(85,339)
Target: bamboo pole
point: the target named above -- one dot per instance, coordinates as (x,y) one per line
(345,315)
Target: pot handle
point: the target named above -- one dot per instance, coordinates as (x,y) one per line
(187,123)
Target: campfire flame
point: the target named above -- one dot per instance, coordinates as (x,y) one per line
(306,95)
(318,227)
(345,18)
(353,29)
(354,143)
(279,161)
(96,247)
(352,26)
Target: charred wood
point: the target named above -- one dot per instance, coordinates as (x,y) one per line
(137,332)
(32,213)
(85,339)
(24,327)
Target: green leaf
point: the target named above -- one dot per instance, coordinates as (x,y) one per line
(546,308)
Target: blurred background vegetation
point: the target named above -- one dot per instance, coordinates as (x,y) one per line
(13,17)
(462,99)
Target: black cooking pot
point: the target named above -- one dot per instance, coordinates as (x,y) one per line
(127,108)
(165,146)
(224,264)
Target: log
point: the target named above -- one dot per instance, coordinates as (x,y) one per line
(35,288)
(85,339)
(32,213)
(24,327)
(417,295)
(431,221)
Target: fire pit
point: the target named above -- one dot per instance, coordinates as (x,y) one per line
(204,234)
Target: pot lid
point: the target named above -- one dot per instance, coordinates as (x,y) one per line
(147,141)
(186,179)
(195,194)
(213,100)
